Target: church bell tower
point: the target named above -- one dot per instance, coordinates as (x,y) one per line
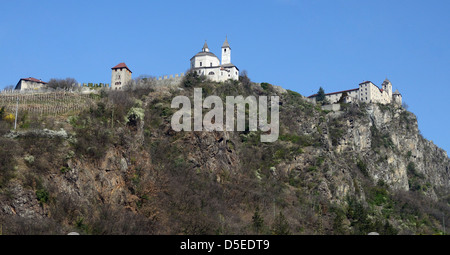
(226,53)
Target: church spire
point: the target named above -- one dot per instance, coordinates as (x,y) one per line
(205,47)
(225,44)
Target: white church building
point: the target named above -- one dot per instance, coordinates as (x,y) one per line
(207,63)
(367,92)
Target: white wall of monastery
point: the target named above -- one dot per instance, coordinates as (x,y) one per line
(368,93)
(335,97)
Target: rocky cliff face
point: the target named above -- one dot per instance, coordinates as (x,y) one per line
(408,148)
(385,139)
(350,171)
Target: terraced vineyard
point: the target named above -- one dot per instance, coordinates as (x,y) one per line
(52,103)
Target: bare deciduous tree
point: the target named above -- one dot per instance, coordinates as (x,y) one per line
(66,83)
(9,87)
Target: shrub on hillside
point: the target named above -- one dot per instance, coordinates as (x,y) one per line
(7,160)
(42,154)
(66,83)
(191,79)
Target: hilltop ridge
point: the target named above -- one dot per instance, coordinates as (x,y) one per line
(122,169)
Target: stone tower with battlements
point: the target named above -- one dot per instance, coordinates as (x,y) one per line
(120,76)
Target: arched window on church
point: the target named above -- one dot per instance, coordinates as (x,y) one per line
(211,73)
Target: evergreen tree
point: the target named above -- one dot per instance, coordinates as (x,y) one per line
(338,224)
(320,95)
(258,221)
(388,229)
(281,225)
(2,112)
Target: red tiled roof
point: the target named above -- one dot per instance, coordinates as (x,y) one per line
(33,80)
(121,65)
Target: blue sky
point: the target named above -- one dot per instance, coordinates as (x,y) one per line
(300,45)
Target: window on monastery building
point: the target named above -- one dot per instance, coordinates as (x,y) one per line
(221,73)
(200,63)
(224,50)
(211,73)
(210,64)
